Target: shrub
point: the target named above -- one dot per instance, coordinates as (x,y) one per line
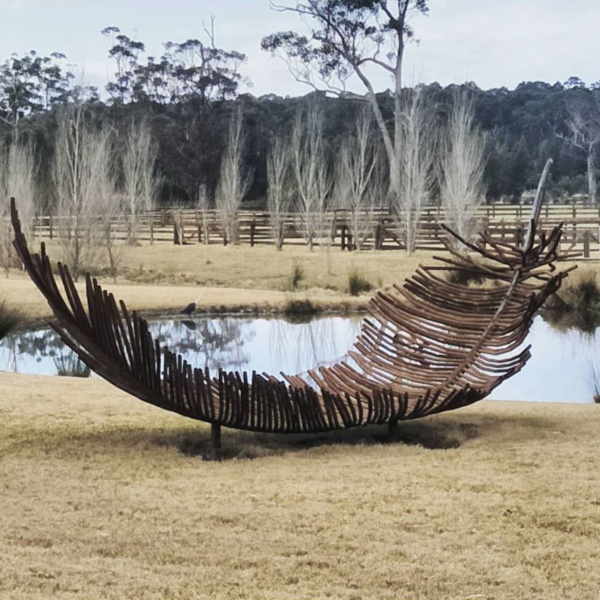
(466,278)
(358,283)
(297,276)
(581,291)
(576,305)
(8,319)
(294,306)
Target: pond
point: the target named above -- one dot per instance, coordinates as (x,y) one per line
(565,365)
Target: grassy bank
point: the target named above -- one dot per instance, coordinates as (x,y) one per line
(163,278)
(104,497)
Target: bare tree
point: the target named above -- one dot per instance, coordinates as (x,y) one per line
(235,180)
(110,209)
(279,193)
(584,133)
(203,205)
(416,152)
(20,174)
(82,173)
(17,179)
(7,253)
(311,171)
(359,178)
(462,167)
(140,184)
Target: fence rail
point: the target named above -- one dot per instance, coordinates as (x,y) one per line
(188,226)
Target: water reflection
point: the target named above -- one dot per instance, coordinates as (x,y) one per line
(556,371)
(585,320)
(565,366)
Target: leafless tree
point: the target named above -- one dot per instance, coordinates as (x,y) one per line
(17,179)
(415,167)
(203,205)
(83,175)
(359,178)
(7,253)
(279,193)
(311,171)
(584,133)
(235,179)
(140,183)
(462,167)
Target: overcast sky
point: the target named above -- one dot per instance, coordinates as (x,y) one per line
(491,42)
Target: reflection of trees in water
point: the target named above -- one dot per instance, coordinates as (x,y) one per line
(580,335)
(310,341)
(585,321)
(71,366)
(38,345)
(211,343)
(580,330)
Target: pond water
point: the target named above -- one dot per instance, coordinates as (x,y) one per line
(565,366)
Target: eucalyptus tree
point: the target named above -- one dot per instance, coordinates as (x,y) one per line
(31,83)
(583,124)
(346,39)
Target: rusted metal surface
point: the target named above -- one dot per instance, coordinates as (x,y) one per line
(428,346)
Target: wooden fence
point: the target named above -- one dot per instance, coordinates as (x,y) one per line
(188,226)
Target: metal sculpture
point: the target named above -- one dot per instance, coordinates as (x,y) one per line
(429,345)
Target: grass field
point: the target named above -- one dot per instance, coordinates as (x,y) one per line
(105,497)
(232,279)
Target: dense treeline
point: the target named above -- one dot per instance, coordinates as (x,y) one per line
(190,95)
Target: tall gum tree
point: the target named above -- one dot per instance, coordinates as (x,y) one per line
(346,38)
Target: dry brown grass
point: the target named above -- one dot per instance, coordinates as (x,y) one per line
(104,497)
(166,277)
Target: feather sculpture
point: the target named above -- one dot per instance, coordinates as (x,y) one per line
(427,347)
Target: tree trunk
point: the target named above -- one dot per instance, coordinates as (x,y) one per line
(591,171)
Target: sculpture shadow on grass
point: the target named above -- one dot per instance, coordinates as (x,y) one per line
(194,443)
(249,446)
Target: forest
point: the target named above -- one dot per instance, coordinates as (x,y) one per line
(186,101)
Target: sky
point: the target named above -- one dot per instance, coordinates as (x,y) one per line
(494,43)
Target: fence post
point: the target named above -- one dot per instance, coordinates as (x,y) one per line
(586,244)
(252,230)
(343,237)
(519,236)
(51,226)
